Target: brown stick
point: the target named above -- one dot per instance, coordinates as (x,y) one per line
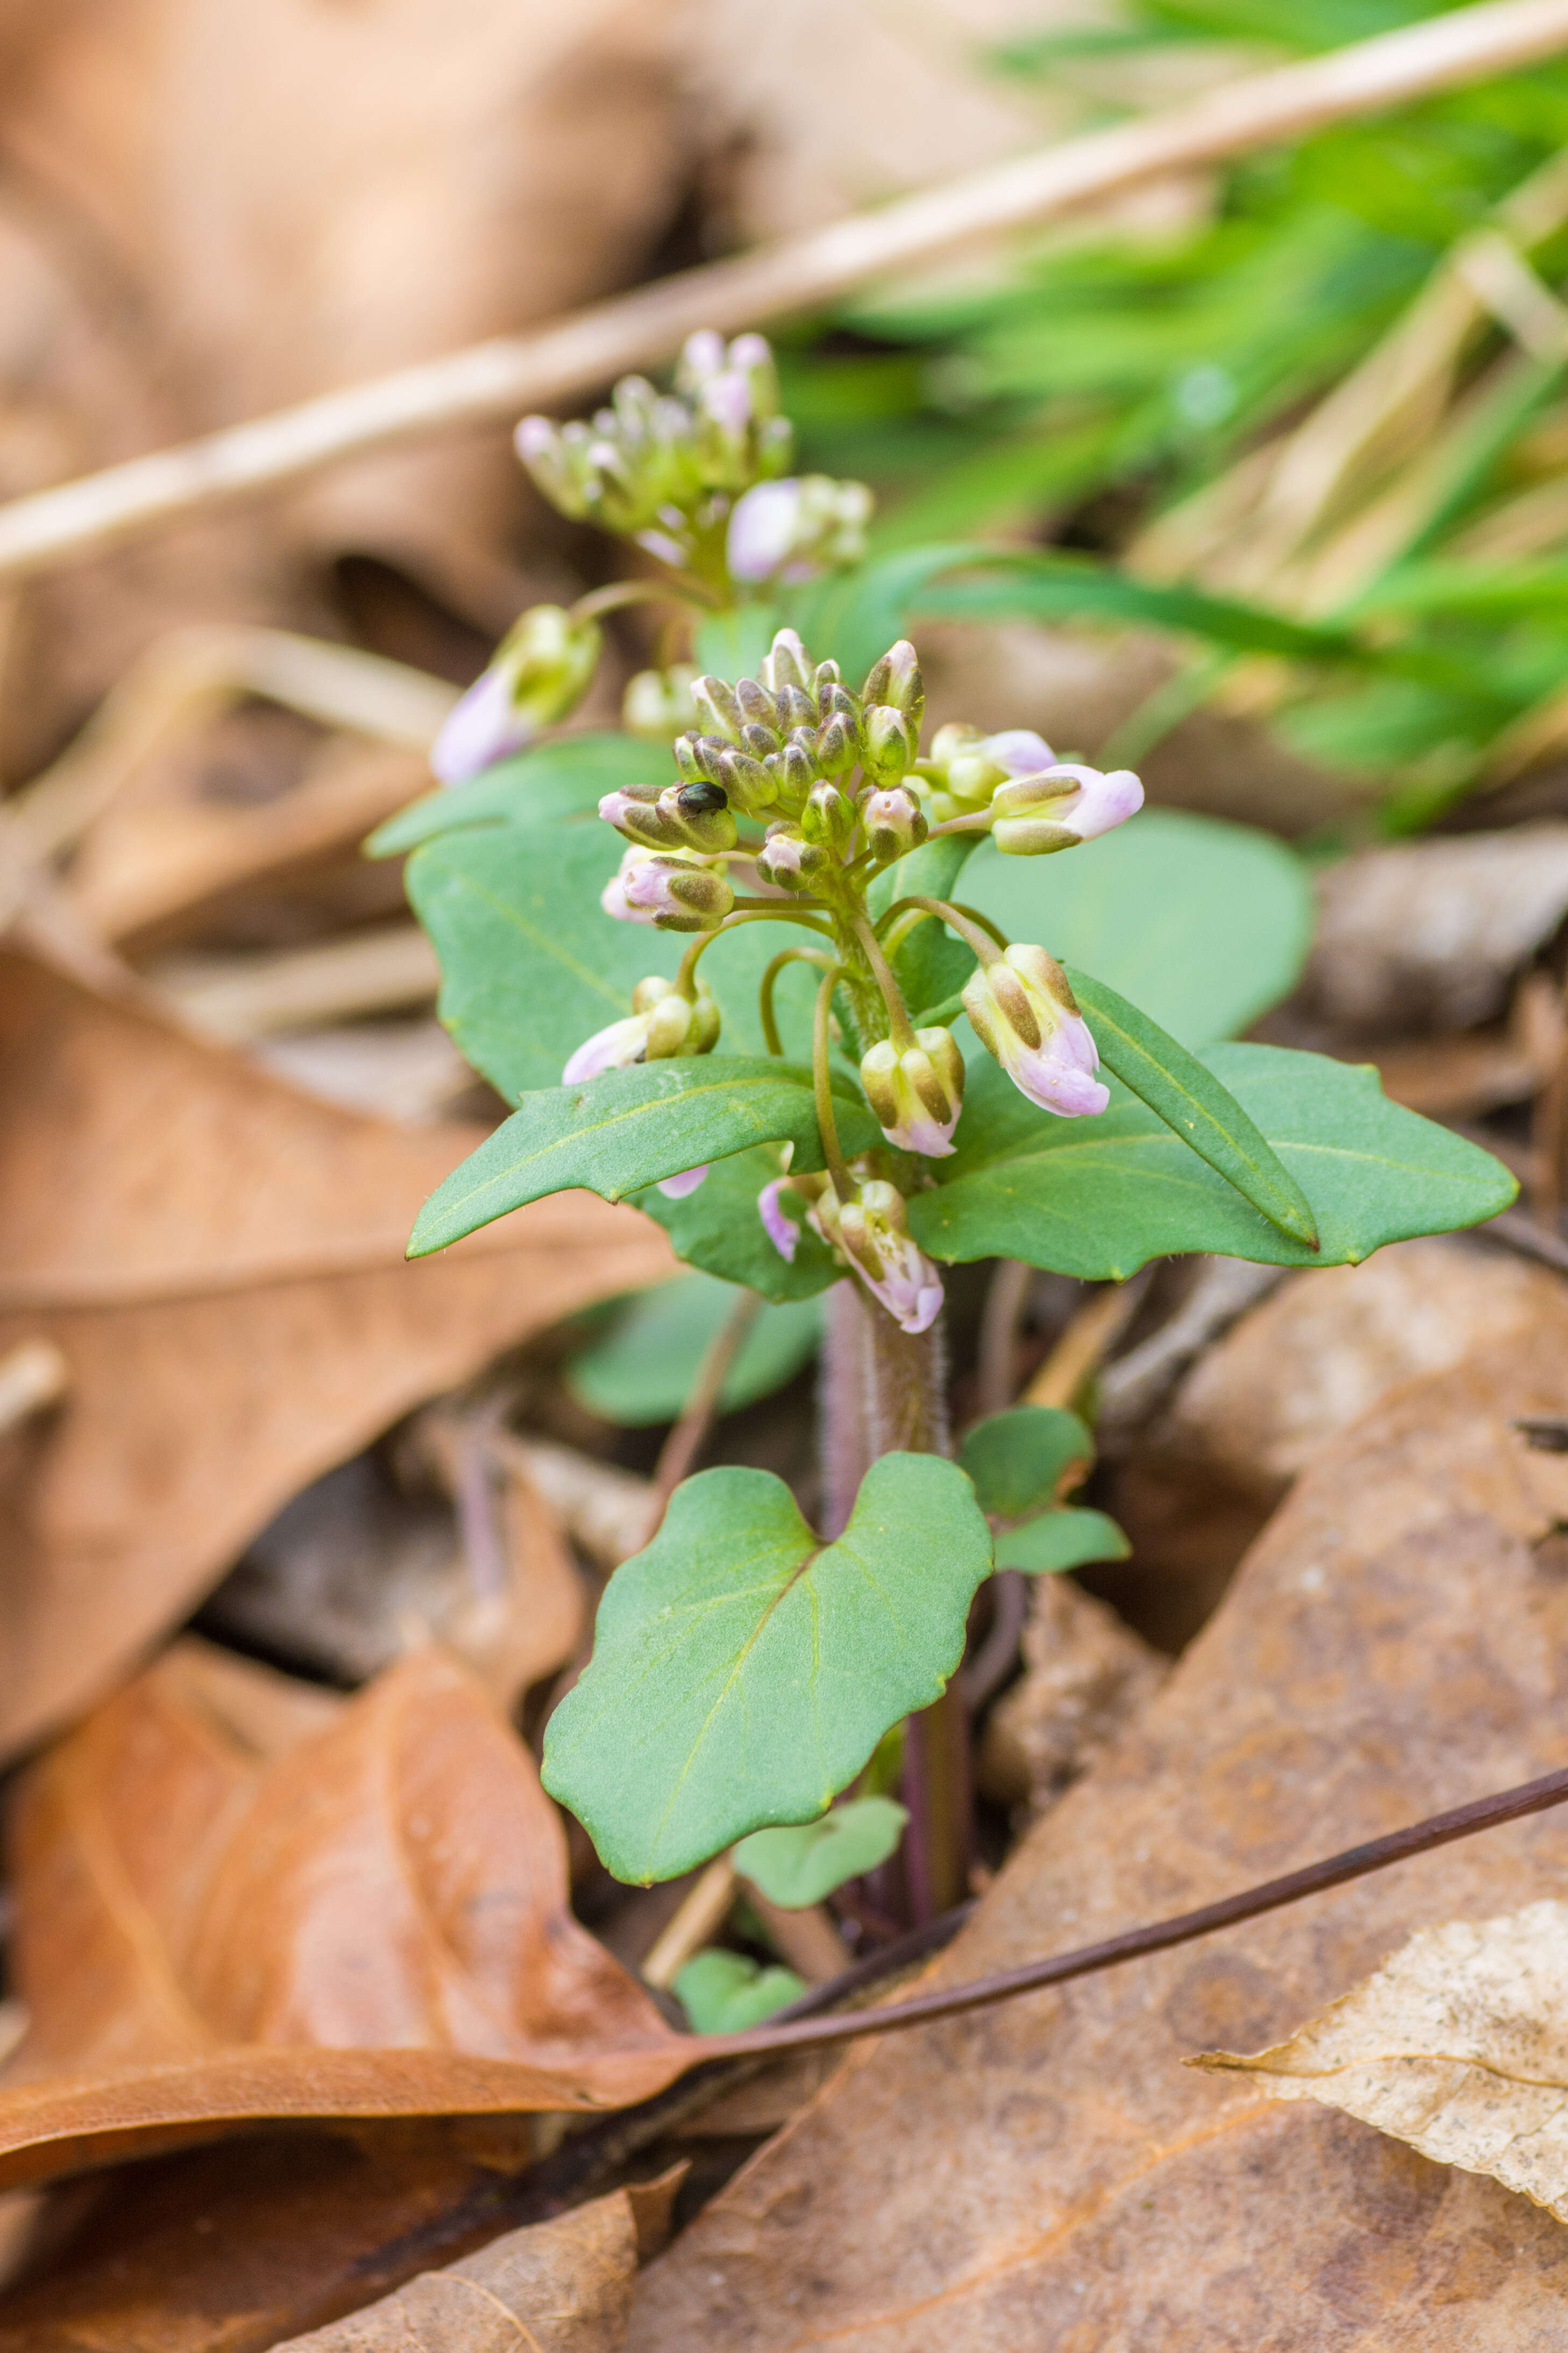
(1158,1935)
(494,380)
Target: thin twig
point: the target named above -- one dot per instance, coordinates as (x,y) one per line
(497,380)
(1314,1879)
(680,1448)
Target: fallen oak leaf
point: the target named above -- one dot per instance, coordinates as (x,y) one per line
(1459,2045)
(219,1259)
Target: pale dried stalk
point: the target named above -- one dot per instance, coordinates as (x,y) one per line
(237,998)
(33,1375)
(497,380)
(192,675)
(1089,1337)
(703,1911)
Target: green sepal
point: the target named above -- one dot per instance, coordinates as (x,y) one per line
(1193,1105)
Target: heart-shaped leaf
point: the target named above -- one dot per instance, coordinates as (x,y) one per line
(800,1864)
(1062,1539)
(723,1992)
(626,1129)
(744,1672)
(1098,1198)
(1194,1107)
(1026,1458)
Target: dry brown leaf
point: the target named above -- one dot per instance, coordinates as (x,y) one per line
(558,2287)
(1459,2045)
(219,1259)
(1047,2173)
(1085,1674)
(219,1920)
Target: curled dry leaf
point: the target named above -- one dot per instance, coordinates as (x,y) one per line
(1395,1642)
(219,1920)
(219,1259)
(558,2287)
(1458,2045)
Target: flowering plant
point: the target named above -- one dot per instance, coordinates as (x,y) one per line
(843,1074)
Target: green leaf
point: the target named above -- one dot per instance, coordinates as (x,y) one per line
(641,1369)
(626,1129)
(1059,1540)
(801,1864)
(723,1992)
(717,1228)
(932,965)
(1202,924)
(1099,1198)
(566,779)
(1194,1107)
(731,645)
(854,617)
(1029,1455)
(742,1672)
(531,965)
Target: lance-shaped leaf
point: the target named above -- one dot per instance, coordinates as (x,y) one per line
(744,1672)
(1024,1459)
(1099,1198)
(1194,1107)
(624,1129)
(800,1864)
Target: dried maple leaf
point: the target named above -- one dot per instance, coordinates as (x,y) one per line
(219,1259)
(1046,2172)
(223,1918)
(1459,2045)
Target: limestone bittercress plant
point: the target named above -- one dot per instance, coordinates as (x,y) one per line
(745,1671)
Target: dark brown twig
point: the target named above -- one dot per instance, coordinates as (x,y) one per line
(1158,1935)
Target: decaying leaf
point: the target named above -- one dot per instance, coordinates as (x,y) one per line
(560,2287)
(1459,2045)
(219,1919)
(1395,1642)
(219,1259)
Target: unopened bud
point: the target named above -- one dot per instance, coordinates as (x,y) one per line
(888,748)
(872,1231)
(760,741)
(718,712)
(894,822)
(838,744)
(787,859)
(675,890)
(895,680)
(541,671)
(796,707)
(661,1024)
(1074,803)
(916,1095)
(658,704)
(758,707)
(795,768)
(749,784)
(1023,1012)
(827,817)
(786,663)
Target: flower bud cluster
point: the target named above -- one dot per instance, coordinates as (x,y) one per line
(645,464)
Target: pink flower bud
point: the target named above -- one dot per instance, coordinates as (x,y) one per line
(673,889)
(1095,803)
(872,1233)
(894,821)
(676,1189)
(662,1025)
(918,1094)
(781,1229)
(1027,1016)
(541,669)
